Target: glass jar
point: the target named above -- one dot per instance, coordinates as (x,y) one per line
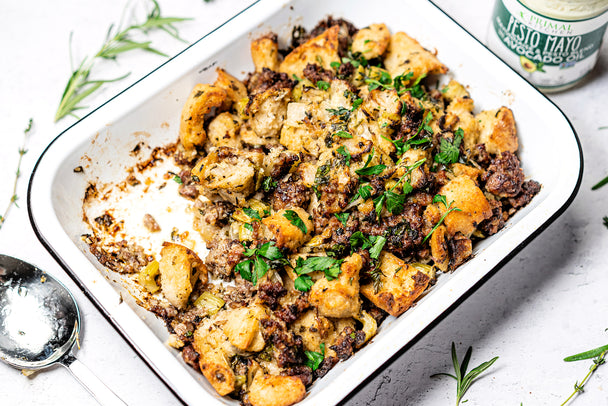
(552,43)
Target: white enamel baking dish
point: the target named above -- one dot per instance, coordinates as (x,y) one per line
(550,153)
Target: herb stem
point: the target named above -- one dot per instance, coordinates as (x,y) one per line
(22,151)
(599,360)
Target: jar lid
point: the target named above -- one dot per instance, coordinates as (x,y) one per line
(567,9)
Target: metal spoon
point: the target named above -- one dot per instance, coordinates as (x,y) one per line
(39,324)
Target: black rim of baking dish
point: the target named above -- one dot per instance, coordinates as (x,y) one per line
(410,343)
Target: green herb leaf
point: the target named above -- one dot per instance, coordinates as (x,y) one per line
(270,251)
(343,134)
(303,283)
(244,268)
(335,65)
(356,104)
(178,180)
(395,202)
(600,183)
(587,354)
(268,183)
(253,214)
(374,252)
(449,150)
(440,199)
(315,358)
(248,227)
(341,112)
(343,217)
(344,152)
(260,268)
(358,239)
(294,219)
(323,85)
(372,170)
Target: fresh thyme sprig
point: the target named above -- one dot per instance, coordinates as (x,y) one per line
(117,42)
(14,197)
(599,358)
(464,379)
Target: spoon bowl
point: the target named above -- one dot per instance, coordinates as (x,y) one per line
(39,320)
(39,324)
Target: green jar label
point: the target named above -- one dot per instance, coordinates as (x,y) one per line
(547,51)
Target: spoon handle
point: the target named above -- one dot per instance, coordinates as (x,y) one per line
(102,394)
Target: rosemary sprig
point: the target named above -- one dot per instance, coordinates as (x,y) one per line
(117,42)
(14,197)
(599,358)
(464,379)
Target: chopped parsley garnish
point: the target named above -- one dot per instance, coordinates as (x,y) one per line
(253,214)
(315,358)
(335,65)
(402,147)
(364,191)
(330,266)
(443,200)
(395,202)
(248,227)
(356,104)
(268,183)
(344,152)
(376,249)
(343,134)
(384,81)
(323,85)
(343,217)
(178,180)
(254,268)
(370,170)
(294,219)
(374,243)
(341,112)
(449,151)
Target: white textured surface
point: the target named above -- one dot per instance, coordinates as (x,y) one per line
(548,302)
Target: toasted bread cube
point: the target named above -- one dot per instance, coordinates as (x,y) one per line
(179,268)
(268,111)
(473,205)
(265,53)
(372,41)
(399,285)
(201,101)
(497,130)
(243,328)
(222,131)
(469,171)
(275,390)
(340,297)
(405,54)
(209,342)
(284,232)
(314,330)
(235,89)
(322,50)
(439,248)
(226,172)
(460,112)
(454,90)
